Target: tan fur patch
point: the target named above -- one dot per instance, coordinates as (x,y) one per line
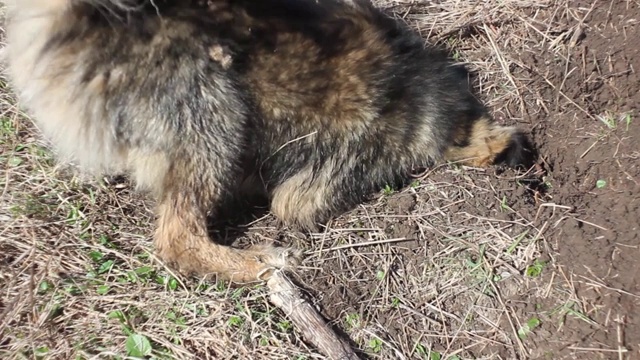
(486,141)
(218,54)
(103,81)
(148,170)
(182,242)
(299,200)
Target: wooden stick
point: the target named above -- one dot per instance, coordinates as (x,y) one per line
(285,295)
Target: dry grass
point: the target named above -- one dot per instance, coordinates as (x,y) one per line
(439,266)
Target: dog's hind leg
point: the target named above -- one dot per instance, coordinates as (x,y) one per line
(181,241)
(195,182)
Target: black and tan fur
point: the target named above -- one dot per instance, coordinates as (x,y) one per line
(316,103)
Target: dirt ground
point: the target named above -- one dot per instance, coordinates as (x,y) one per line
(595,245)
(463,264)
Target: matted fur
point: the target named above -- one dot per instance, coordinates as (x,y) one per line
(322,103)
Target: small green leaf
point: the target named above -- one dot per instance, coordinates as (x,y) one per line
(130,277)
(264,341)
(627,120)
(138,345)
(235,321)
(44,286)
(117,314)
(380,275)
(285,326)
(106,266)
(527,328)
(96,255)
(202,287)
(353,320)
(144,270)
(435,355)
(173,283)
(104,241)
(72,289)
(42,350)
(178,320)
(395,302)
(103,289)
(535,269)
(375,344)
(600,184)
(15,161)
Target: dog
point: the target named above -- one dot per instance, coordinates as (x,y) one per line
(316,104)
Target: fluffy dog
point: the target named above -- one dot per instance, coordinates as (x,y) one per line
(317,104)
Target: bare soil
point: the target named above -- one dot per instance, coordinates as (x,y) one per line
(463,264)
(597,245)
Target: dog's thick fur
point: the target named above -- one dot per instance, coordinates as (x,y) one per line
(316,103)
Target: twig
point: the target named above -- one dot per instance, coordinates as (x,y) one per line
(592,224)
(621,349)
(576,348)
(285,295)
(522,350)
(368,243)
